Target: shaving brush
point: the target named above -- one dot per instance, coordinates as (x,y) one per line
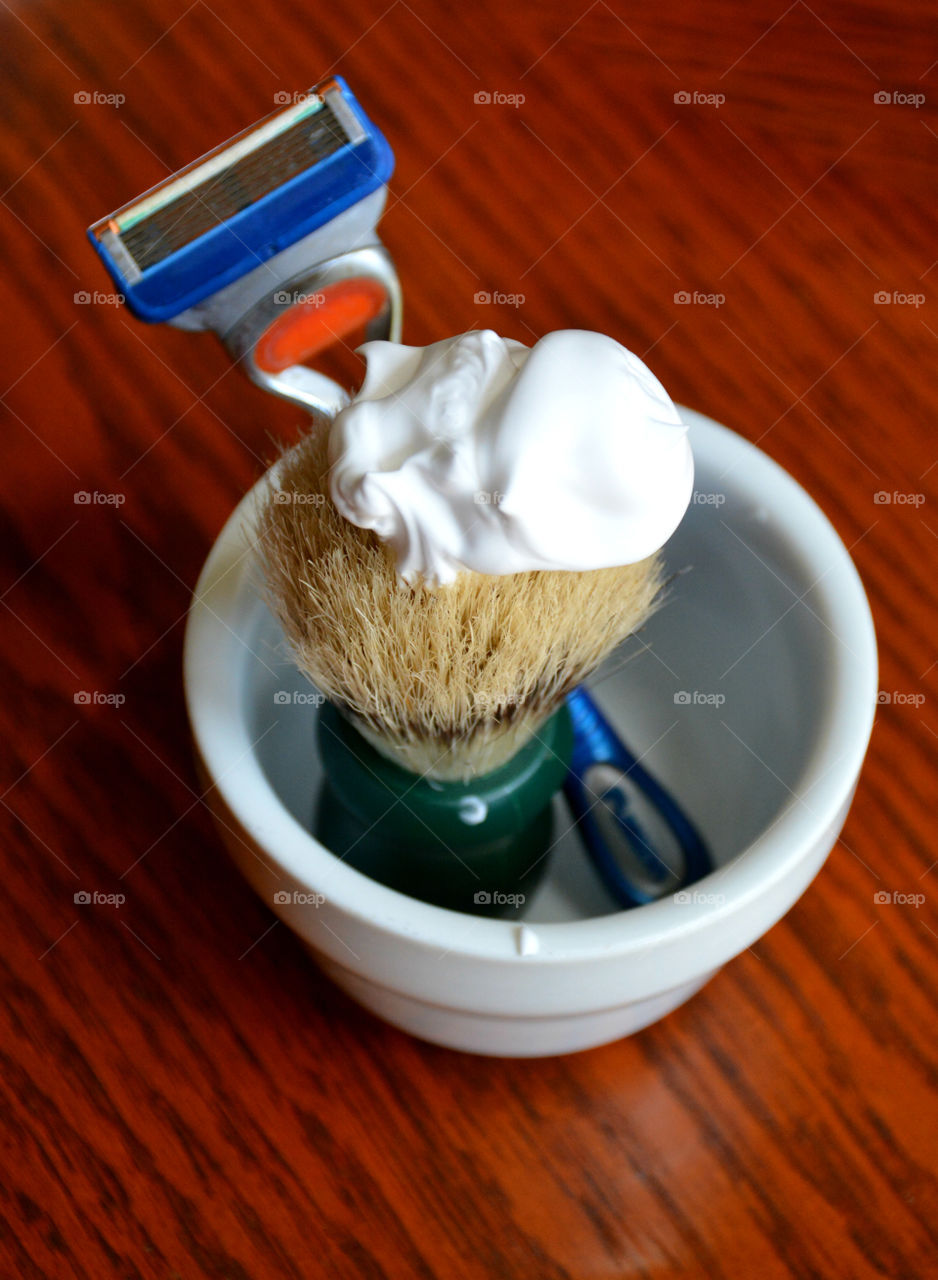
(445,627)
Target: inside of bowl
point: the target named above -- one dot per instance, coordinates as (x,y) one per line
(721,696)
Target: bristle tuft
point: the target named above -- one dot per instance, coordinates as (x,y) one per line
(450,682)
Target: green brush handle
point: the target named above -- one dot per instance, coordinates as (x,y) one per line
(478,846)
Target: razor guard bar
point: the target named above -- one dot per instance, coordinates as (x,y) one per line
(243,203)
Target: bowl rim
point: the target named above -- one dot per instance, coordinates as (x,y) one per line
(213,691)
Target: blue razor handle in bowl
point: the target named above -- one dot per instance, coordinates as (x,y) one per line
(641,842)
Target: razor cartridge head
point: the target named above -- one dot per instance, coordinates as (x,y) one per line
(243,203)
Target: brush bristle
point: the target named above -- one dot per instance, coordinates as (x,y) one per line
(449,682)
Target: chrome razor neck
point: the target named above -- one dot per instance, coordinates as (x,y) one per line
(275,308)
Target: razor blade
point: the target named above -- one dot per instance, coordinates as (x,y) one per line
(270,242)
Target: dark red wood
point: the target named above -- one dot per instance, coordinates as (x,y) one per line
(182,1093)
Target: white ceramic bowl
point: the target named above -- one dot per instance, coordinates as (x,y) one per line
(751,693)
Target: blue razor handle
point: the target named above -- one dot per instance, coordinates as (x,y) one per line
(270,242)
(640,840)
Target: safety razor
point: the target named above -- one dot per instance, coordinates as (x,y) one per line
(269,241)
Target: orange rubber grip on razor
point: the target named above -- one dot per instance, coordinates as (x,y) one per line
(316,322)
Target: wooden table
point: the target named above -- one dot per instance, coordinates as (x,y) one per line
(183,1094)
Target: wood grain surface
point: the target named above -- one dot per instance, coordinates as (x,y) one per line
(183,1094)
